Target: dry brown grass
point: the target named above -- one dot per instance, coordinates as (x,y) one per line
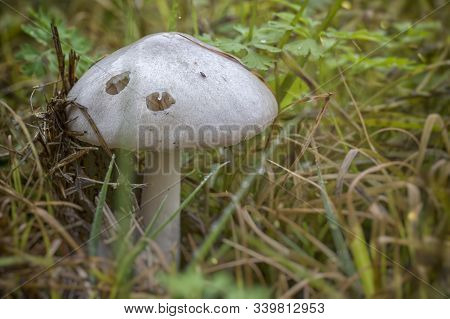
(351,198)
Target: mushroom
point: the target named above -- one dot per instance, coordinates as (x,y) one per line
(164,93)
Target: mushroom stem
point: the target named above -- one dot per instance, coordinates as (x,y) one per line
(163,179)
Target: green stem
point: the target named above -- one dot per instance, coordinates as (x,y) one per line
(194,17)
(94,236)
(252,20)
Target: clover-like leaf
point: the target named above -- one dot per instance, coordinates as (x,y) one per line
(266,47)
(305,47)
(254,60)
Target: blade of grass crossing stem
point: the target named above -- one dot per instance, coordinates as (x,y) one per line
(125,263)
(123,204)
(155,218)
(187,200)
(128,260)
(97,223)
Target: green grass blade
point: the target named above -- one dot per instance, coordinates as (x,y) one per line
(126,263)
(94,237)
(187,200)
(194,18)
(362,259)
(220,224)
(338,237)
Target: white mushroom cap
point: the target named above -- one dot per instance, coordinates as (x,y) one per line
(167,91)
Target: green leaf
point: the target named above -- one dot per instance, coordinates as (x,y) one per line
(38,63)
(257,61)
(229,45)
(31,69)
(285,16)
(41,35)
(327,43)
(363,35)
(33,60)
(304,48)
(241,29)
(278,25)
(416,33)
(28,53)
(271,32)
(266,47)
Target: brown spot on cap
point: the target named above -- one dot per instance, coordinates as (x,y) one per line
(157,101)
(117,83)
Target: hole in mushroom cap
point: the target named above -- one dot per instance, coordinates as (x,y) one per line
(117,83)
(157,101)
